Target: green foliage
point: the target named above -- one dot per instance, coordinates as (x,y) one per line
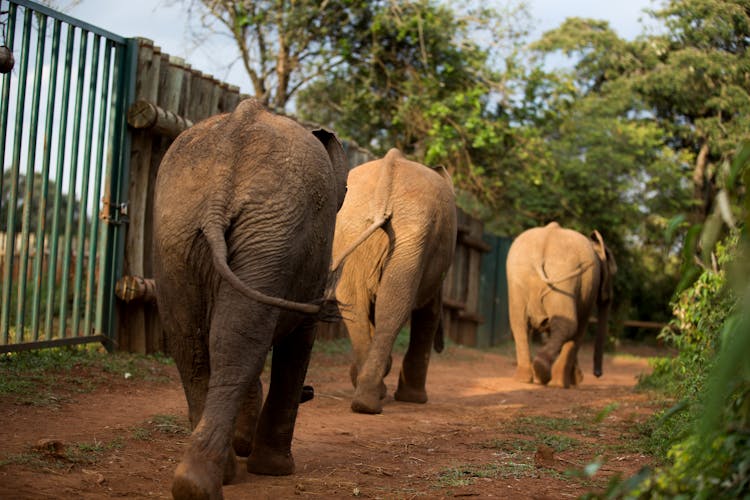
(706,436)
(421,81)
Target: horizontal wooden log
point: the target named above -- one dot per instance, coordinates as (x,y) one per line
(147,115)
(472,317)
(635,323)
(473,242)
(135,288)
(453,304)
(643,324)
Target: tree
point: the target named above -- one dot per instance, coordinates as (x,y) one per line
(418,78)
(284,45)
(35,204)
(683,96)
(692,79)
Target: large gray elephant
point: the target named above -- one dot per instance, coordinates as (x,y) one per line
(244,214)
(395,239)
(555,277)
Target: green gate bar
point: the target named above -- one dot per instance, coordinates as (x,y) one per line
(70,146)
(10,227)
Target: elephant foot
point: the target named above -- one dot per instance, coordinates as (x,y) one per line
(230,468)
(270,462)
(409,395)
(383,390)
(242,445)
(577,375)
(197,480)
(308,393)
(524,374)
(368,402)
(542,370)
(557,382)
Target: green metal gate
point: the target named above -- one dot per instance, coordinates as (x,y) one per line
(64,145)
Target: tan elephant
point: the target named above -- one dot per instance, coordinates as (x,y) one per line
(555,277)
(395,237)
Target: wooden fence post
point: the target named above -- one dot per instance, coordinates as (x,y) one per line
(132,331)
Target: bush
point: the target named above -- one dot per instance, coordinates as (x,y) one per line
(707,434)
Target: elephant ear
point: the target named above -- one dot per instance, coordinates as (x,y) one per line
(443,171)
(336,154)
(599,246)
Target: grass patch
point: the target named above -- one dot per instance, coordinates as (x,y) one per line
(511,466)
(605,412)
(32,373)
(170,425)
(522,445)
(465,475)
(64,456)
(333,346)
(510,445)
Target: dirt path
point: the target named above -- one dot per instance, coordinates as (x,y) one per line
(481,434)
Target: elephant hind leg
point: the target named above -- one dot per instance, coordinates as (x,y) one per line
(562,330)
(565,370)
(239,341)
(413,377)
(272,446)
(521,337)
(247,420)
(392,309)
(354,373)
(182,312)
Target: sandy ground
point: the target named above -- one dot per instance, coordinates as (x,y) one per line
(481,434)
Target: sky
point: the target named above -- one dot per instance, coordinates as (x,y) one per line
(166,23)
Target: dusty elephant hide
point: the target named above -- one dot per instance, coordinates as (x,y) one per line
(245,202)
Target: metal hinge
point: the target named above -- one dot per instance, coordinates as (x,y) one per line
(114,213)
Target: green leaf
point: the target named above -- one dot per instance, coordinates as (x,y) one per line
(739,164)
(672,227)
(592,468)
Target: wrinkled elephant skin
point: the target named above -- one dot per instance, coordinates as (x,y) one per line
(555,278)
(396,274)
(259,193)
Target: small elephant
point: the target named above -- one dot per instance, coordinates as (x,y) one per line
(244,214)
(395,237)
(555,276)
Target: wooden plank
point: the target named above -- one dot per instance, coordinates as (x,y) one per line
(132,317)
(231,99)
(169,96)
(187,85)
(216,91)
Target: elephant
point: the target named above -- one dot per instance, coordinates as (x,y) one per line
(395,239)
(244,214)
(555,277)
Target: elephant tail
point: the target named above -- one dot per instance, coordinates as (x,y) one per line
(543,275)
(439,341)
(383,205)
(326,309)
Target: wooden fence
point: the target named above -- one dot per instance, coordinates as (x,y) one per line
(461,304)
(170,97)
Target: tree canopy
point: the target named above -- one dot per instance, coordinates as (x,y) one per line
(624,138)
